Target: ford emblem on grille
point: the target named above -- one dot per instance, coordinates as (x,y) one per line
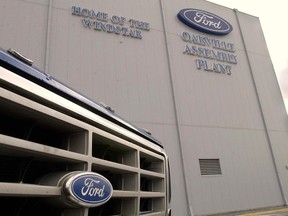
(204,21)
(88,189)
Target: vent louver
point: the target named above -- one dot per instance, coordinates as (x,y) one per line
(210,167)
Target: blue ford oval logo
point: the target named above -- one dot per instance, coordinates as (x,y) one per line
(88,189)
(204,21)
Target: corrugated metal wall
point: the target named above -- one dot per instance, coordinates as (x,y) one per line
(238,119)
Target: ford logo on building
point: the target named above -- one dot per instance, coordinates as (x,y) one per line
(87,189)
(204,21)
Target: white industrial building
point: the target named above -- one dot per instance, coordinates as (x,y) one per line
(212,100)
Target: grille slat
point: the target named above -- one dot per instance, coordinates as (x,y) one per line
(53,142)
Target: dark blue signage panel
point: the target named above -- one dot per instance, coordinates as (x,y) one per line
(204,21)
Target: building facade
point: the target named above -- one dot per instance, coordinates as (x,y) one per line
(210,96)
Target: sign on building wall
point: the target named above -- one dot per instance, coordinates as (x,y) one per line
(212,54)
(204,21)
(119,25)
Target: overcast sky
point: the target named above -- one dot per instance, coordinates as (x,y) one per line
(273,17)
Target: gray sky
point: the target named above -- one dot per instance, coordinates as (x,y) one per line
(273,16)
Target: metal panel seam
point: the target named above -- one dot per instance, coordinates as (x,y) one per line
(188,200)
(48,35)
(262,113)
